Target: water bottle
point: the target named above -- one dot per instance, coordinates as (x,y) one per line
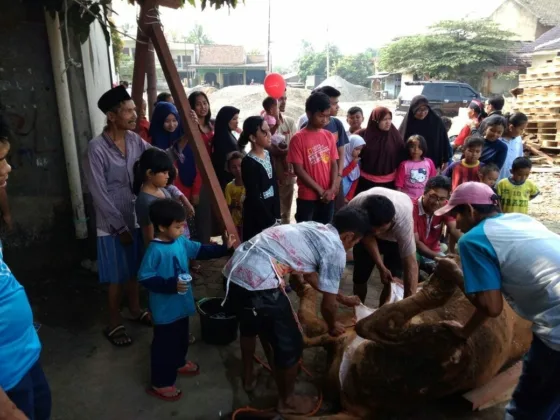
(185,279)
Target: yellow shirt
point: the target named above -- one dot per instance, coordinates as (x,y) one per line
(515,198)
(235,195)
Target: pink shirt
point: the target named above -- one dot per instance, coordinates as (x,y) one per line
(314,151)
(412,176)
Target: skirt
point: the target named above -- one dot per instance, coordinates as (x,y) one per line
(116,263)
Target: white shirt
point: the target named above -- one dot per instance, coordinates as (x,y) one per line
(515,150)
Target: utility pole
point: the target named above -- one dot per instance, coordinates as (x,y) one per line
(268,56)
(328,53)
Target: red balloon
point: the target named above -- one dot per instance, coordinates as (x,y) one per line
(274,85)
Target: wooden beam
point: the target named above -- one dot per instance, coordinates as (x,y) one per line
(139,72)
(536,151)
(204,164)
(152,78)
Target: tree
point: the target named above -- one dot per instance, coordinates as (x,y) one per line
(254,51)
(118,45)
(315,63)
(461,49)
(198,36)
(356,68)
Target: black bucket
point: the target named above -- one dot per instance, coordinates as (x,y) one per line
(218,325)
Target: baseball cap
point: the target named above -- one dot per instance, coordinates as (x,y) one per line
(469,193)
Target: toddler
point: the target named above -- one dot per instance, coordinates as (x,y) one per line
(235,191)
(351,172)
(466,169)
(489,174)
(413,174)
(516,191)
(270,115)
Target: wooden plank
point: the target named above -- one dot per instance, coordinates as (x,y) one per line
(151,77)
(192,131)
(541,170)
(139,71)
(534,150)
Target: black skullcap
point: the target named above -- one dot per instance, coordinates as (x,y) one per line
(112,98)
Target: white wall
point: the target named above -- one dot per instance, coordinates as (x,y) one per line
(544,59)
(514,18)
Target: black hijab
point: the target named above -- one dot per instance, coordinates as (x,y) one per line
(431,128)
(223,143)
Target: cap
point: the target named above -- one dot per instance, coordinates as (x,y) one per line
(469,193)
(112,98)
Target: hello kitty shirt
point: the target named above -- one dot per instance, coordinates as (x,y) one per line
(412,176)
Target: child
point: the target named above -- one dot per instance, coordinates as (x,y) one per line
(351,172)
(467,168)
(495,150)
(476,114)
(143,123)
(235,191)
(516,124)
(412,174)
(489,174)
(165,273)
(151,177)
(354,118)
(313,152)
(270,114)
(516,191)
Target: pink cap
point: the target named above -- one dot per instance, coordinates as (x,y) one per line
(469,193)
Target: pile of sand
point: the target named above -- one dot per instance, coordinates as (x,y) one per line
(249,100)
(349,92)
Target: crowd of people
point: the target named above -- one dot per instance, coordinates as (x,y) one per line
(396,198)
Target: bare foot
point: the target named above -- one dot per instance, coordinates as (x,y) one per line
(297,404)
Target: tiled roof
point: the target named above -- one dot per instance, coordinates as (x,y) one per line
(546,11)
(546,42)
(221,54)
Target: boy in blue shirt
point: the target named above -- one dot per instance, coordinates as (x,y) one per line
(518,257)
(164,268)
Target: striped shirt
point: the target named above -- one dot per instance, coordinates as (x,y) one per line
(461,172)
(110,175)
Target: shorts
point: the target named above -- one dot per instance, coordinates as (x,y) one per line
(364,265)
(268,314)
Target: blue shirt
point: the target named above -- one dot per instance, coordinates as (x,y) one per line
(519,255)
(335,126)
(494,152)
(19,343)
(165,261)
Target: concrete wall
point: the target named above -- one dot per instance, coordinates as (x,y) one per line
(518,20)
(545,58)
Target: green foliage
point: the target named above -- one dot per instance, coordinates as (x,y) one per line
(355,68)
(461,49)
(315,63)
(125,67)
(118,45)
(197,35)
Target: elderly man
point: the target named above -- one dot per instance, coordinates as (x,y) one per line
(391,236)
(514,255)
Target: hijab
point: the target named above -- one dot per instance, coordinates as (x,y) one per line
(355,141)
(431,128)
(223,143)
(384,150)
(186,165)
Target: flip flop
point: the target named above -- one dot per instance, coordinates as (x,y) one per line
(145,318)
(189,369)
(160,393)
(119,332)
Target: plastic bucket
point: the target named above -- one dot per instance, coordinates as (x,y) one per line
(218,325)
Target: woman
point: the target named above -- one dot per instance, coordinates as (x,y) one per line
(224,142)
(261,208)
(422,120)
(203,219)
(382,153)
(476,114)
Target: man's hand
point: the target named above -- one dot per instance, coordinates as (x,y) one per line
(337,329)
(350,301)
(228,239)
(126,238)
(386,276)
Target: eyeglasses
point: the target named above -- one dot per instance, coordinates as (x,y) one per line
(437,198)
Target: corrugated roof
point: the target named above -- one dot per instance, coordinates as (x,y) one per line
(546,11)
(221,54)
(548,41)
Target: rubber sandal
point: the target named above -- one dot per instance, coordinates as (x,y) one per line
(160,393)
(115,334)
(145,318)
(188,370)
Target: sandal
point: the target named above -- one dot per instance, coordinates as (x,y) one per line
(145,318)
(190,369)
(169,393)
(118,336)
(192,339)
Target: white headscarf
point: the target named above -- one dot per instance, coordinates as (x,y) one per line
(355,141)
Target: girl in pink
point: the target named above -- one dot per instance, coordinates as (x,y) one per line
(413,173)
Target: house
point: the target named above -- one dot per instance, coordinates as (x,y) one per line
(505,75)
(227,65)
(545,48)
(50,104)
(386,85)
(527,19)
(293,80)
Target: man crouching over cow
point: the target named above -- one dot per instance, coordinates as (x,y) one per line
(255,288)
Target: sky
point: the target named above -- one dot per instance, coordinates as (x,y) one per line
(352,25)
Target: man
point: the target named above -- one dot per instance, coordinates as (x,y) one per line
(287,127)
(255,285)
(515,255)
(391,235)
(428,226)
(494,105)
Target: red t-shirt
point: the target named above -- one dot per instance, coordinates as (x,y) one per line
(315,151)
(428,228)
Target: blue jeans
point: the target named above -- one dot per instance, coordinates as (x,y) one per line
(537,396)
(32,394)
(314,211)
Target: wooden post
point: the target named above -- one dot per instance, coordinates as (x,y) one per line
(139,72)
(152,78)
(204,164)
